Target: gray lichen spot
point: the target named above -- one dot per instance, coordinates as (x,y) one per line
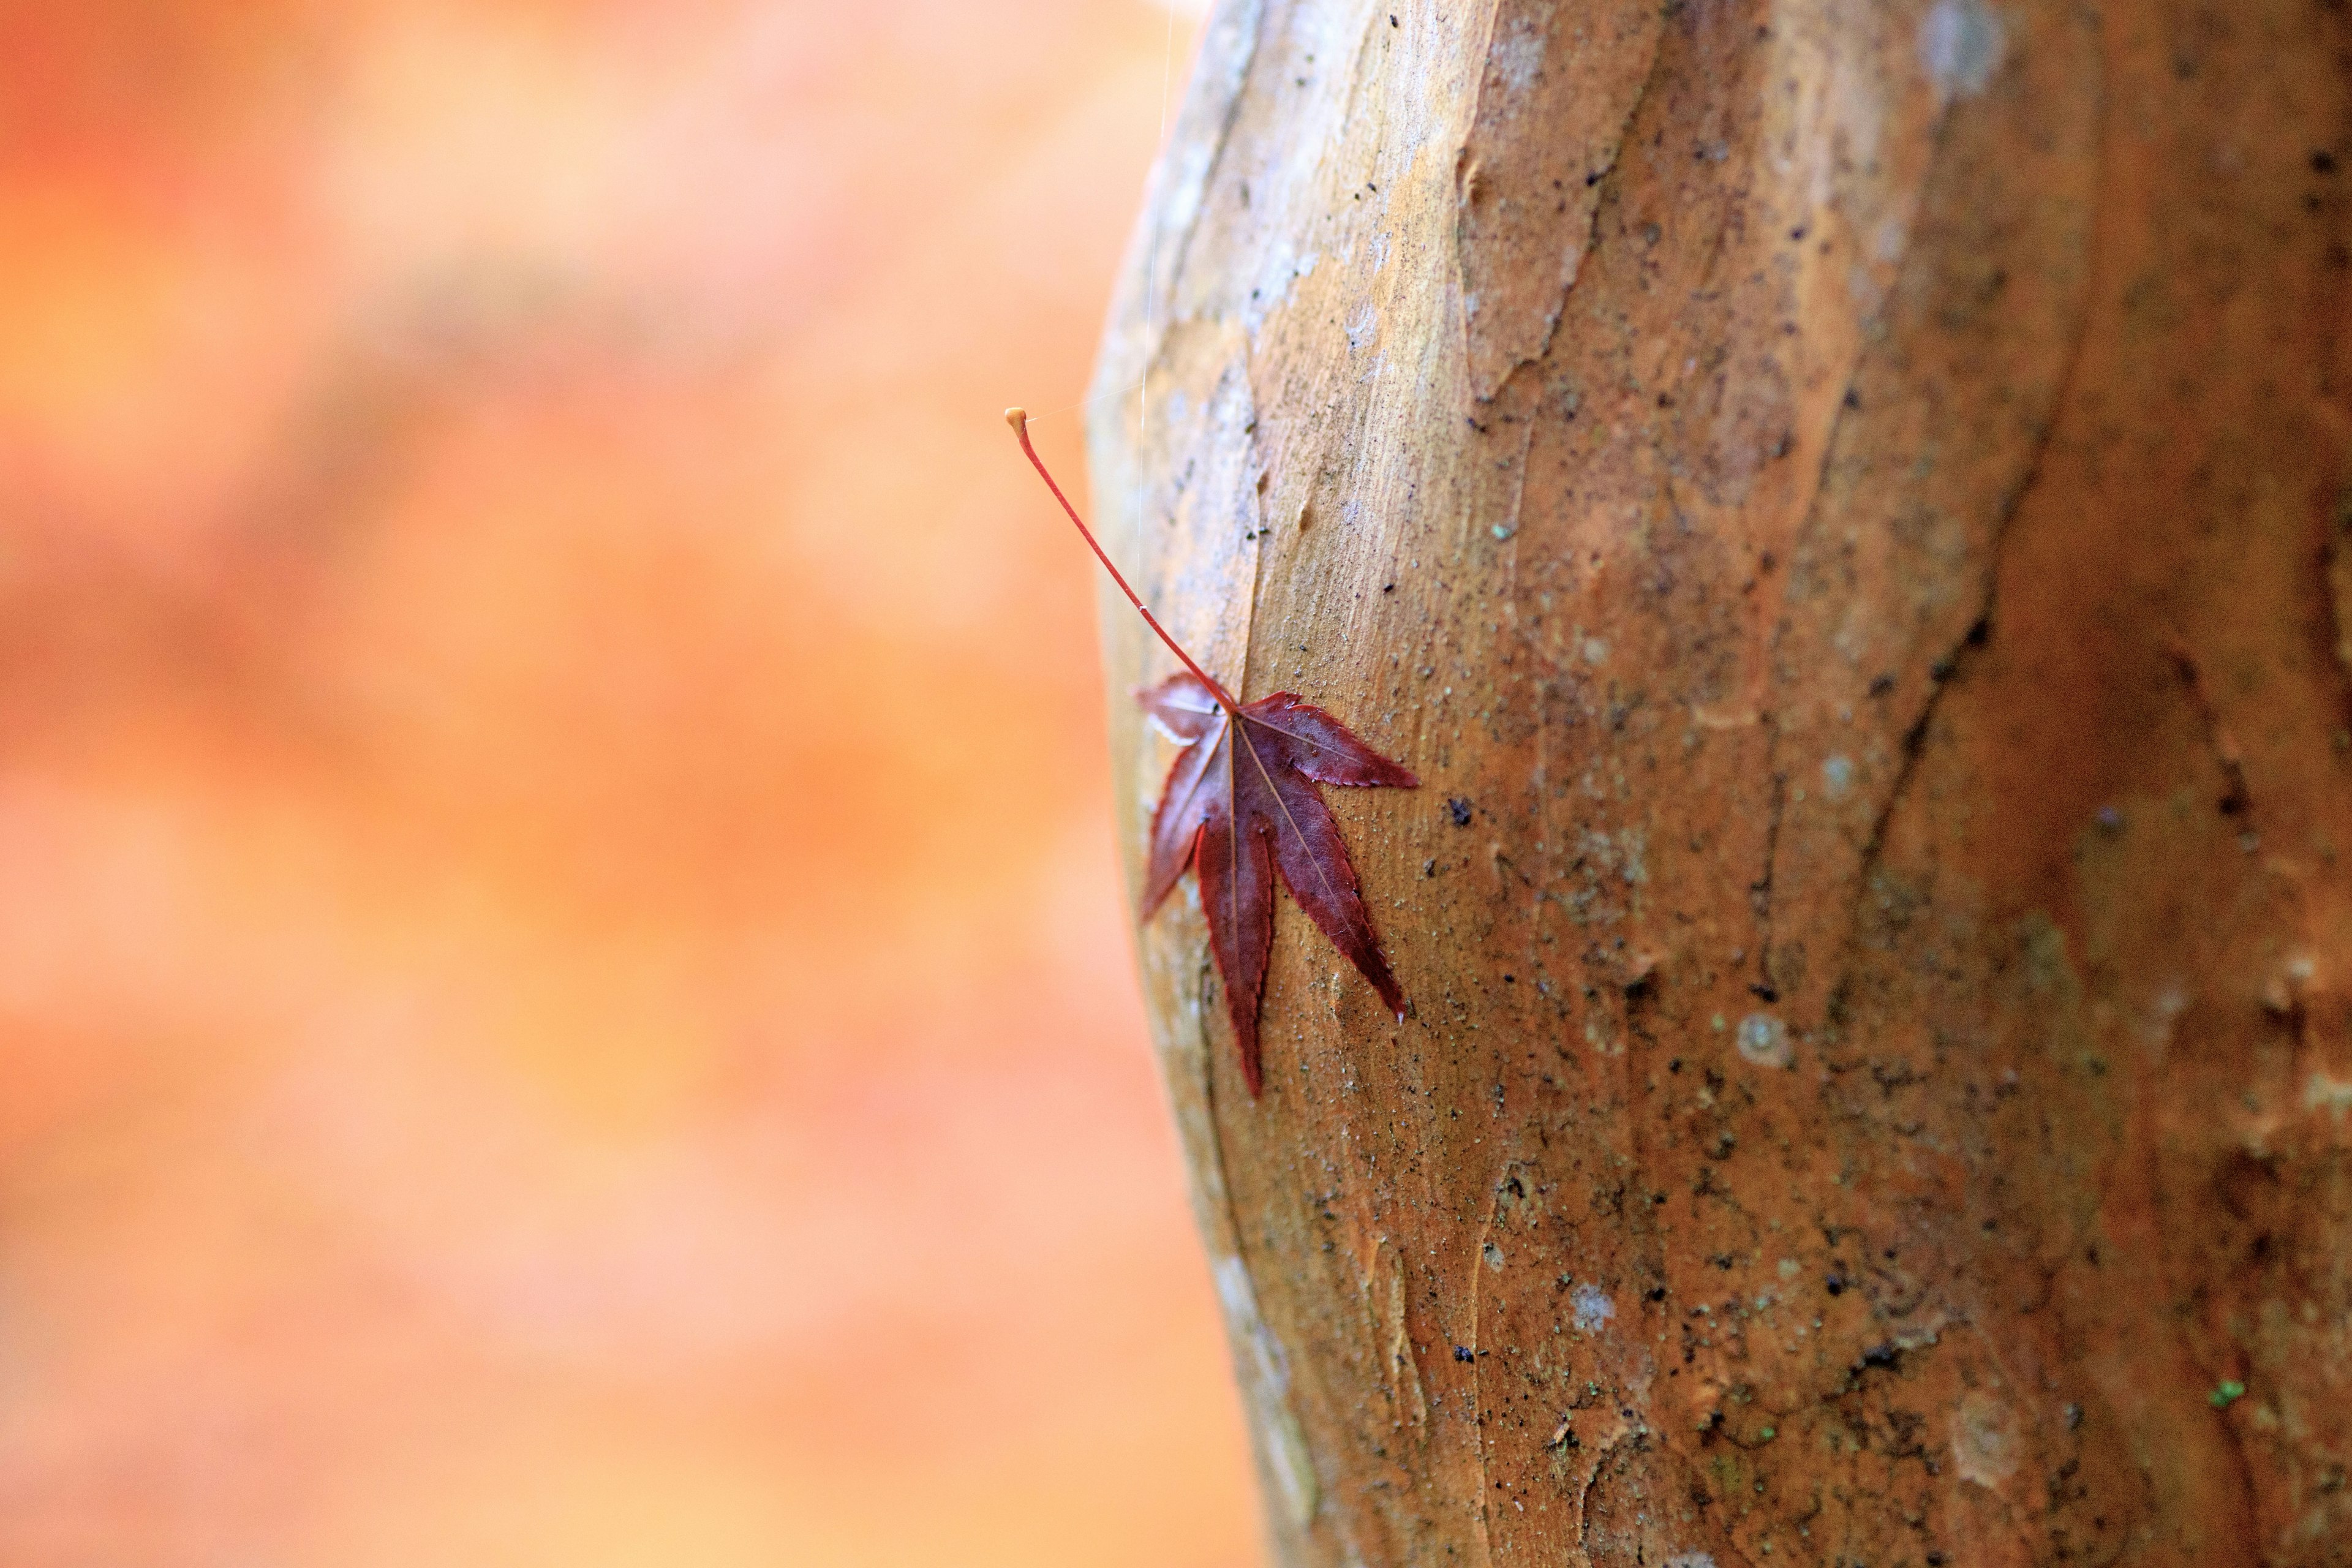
(2323,1092)
(1691,1560)
(2046,966)
(1960,46)
(1519,56)
(1632,843)
(1764,1040)
(1494,1254)
(1984,1439)
(1837,775)
(1593,1308)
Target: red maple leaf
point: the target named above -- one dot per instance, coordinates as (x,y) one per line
(1240,804)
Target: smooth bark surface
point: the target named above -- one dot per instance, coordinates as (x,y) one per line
(1843,506)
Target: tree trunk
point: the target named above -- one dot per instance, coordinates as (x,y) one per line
(1843,504)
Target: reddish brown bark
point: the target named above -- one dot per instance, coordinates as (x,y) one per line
(1843,506)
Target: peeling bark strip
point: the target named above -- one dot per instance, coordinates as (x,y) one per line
(1843,503)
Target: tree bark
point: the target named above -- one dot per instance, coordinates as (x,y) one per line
(1844,507)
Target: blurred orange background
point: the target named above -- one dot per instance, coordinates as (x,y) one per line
(564,996)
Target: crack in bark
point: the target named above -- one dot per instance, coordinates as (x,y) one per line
(1811,501)
(1605,178)
(1477,1382)
(2218,739)
(1608,187)
(1759,893)
(1942,675)
(1914,740)
(1915,737)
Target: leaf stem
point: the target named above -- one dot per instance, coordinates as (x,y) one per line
(1019,419)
